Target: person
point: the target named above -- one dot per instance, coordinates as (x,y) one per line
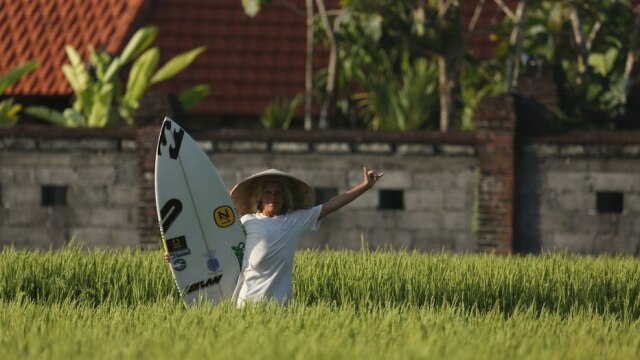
(276,210)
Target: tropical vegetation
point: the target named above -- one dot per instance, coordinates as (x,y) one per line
(101,98)
(9,109)
(590,48)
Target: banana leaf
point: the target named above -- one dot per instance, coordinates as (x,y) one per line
(603,62)
(140,75)
(252,7)
(47,114)
(101,105)
(188,99)
(176,64)
(9,112)
(15,74)
(74,118)
(74,57)
(139,42)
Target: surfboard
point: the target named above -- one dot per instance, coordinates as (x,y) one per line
(199,224)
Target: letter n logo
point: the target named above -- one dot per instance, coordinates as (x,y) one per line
(224,216)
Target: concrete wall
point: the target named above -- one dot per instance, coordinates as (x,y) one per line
(437,192)
(104,205)
(109,196)
(556,198)
(100,178)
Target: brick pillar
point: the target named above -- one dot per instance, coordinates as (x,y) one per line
(153,108)
(495,131)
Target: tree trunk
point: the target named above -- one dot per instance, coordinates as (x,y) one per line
(515,45)
(449,60)
(332,67)
(308,74)
(583,51)
(446,83)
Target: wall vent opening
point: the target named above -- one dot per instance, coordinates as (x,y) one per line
(391,200)
(54,195)
(609,202)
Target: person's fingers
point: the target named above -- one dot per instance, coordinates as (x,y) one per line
(372,175)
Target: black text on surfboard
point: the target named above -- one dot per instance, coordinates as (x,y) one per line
(169,212)
(176,135)
(203,284)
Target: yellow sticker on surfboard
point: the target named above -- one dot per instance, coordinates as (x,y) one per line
(224,216)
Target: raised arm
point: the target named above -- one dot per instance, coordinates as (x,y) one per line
(369,179)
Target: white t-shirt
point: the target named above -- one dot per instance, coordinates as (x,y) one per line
(267,267)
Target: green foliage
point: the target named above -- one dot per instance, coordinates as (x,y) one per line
(188,99)
(114,304)
(399,88)
(414,30)
(404,104)
(478,80)
(253,7)
(592,94)
(8,108)
(377,38)
(9,112)
(280,113)
(101,99)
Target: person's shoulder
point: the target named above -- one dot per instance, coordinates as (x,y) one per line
(247,217)
(303,212)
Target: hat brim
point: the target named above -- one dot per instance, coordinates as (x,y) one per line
(304,196)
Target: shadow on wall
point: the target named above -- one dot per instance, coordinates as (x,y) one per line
(532,118)
(527,234)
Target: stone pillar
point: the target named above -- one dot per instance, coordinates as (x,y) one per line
(153,108)
(495,131)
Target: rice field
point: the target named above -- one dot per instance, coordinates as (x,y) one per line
(75,303)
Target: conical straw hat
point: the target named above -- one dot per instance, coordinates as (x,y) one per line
(304,196)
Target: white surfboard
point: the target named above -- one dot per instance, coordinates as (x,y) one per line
(199,224)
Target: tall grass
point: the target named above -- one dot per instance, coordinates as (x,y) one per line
(115,304)
(93,277)
(318,331)
(559,283)
(554,282)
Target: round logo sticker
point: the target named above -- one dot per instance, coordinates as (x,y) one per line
(179,264)
(224,216)
(213,264)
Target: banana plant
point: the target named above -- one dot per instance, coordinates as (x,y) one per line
(280,113)
(401,104)
(8,108)
(100,97)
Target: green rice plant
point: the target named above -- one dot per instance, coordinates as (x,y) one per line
(559,283)
(114,304)
(124,276)
(554,282)
(165,330)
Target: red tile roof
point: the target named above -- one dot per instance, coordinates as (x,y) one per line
(40,29)
(248,61)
